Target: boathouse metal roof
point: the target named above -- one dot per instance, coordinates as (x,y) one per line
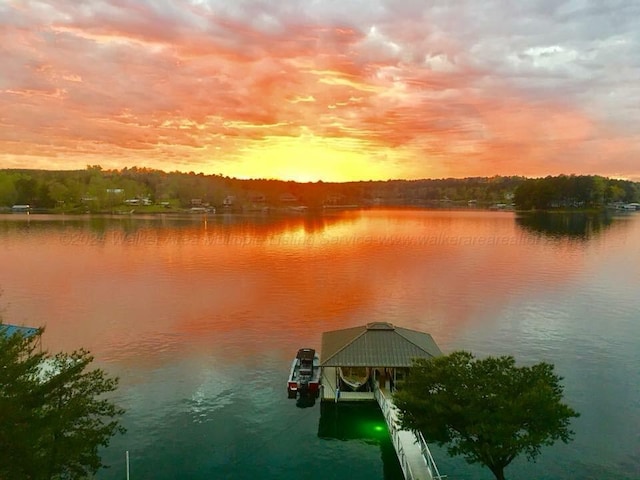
(378,344)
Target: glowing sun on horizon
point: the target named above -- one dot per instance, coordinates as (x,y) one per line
(310,158)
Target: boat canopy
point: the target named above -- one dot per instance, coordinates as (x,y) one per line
(306,354)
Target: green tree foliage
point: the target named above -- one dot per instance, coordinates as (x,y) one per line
(489,411)
(54,414)
(92,190)
(27,188)
(571,191)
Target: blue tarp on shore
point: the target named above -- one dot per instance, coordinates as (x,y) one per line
(9,330)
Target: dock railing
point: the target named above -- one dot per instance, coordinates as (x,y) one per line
(390,413)
(426,454)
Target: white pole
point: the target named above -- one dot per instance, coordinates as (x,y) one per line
(127,457)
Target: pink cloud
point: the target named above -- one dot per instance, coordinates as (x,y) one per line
(170,80)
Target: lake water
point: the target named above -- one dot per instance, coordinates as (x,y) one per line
(201,316)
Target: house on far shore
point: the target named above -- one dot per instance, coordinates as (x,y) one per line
(229,201)
(288,198)
(21,208)
(353,358)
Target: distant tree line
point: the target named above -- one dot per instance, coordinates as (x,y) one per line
(574,191)
(97,190)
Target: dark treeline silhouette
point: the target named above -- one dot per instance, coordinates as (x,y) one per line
(95,189)
(574,191)
(580,225)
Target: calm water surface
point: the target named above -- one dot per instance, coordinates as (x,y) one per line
(200,318)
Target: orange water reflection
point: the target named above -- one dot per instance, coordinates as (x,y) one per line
(141,290)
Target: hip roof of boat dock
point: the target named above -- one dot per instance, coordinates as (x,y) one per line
(376,344)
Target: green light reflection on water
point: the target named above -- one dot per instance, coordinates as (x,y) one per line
(363,421)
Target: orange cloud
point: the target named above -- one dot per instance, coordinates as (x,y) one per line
(273,91)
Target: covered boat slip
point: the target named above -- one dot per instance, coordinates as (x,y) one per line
(356,379)
(330,391)
(382,349)
(333,386)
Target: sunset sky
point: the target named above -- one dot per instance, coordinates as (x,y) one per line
(322,89)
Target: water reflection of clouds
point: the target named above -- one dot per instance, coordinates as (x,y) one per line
(202,323)
(433,270)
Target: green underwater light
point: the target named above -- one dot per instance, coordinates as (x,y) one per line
(344,421)
(373,429)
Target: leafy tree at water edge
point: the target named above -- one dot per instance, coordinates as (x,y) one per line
(55,412)
(488,411)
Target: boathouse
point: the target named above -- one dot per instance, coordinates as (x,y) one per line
(379,352)
(366,363)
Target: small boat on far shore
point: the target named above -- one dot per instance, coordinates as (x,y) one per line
(304,376)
